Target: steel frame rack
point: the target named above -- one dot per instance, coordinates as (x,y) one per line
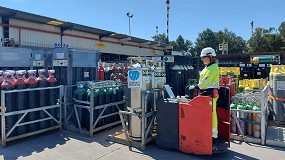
(263,114)
(5,135)
(91,108)
(143,115)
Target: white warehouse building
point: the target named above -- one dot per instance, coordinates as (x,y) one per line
(24,29)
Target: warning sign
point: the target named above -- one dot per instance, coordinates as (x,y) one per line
(168,58)
(100,45)
(86,74)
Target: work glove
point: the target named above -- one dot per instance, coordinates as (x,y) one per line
(195,87)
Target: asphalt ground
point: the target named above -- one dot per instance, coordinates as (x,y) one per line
(67,145)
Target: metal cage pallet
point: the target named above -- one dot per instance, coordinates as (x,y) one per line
(5,134)
(263,115)
(91,108)
(146,127)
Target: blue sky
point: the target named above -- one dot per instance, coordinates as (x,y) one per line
(187,17)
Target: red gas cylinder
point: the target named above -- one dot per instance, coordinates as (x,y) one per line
(101,73)
(114,68)
(32,80)
(52,97)
(43,97)
(114,73)
(32,98)
(125,71)
(120,74)
(13,73)
(10,102)
(21,97)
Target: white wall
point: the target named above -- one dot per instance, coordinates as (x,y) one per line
(34,38)
(81,43)
(45,39)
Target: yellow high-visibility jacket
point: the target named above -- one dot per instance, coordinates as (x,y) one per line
(209,77)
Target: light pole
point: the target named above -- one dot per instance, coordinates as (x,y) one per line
(251,28)
(130,16)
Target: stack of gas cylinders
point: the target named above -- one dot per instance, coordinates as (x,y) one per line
(113,72)
(276,94)
(18,101)
(105,92)
(250,125)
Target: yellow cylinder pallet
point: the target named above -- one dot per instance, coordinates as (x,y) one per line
(282,68)
(229,70)
(254,84)
(222,71)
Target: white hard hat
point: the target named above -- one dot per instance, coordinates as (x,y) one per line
(208,52)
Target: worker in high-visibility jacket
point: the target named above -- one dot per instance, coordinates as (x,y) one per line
(209,79)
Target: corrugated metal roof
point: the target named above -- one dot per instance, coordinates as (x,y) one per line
(11,13)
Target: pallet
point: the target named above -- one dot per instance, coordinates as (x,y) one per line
(119,137)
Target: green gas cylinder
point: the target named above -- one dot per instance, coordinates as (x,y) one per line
(109,93)
(96,101)
(80,94)
(101,101)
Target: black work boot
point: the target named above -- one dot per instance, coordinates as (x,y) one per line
(219,145)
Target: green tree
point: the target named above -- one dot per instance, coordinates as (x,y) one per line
(207,38)
(236,44)
(281,29)
(160,38)
(265,40)
(182,45)
(256,43)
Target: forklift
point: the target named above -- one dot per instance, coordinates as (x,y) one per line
(185,124)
